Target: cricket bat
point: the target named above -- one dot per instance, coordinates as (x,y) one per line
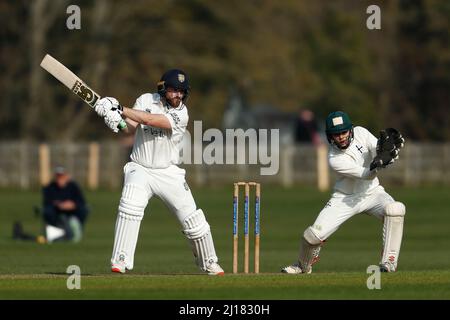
(71,81)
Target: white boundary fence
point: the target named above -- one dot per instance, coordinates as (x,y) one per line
(99,165)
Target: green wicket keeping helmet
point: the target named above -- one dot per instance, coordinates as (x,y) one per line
(338,122)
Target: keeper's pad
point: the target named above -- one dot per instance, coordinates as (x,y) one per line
(392,233)
(198,232)
(131,211)
(309,250)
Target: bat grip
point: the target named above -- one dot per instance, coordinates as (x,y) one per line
(122,125)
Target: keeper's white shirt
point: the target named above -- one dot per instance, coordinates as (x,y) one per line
(352,164)
(158,148)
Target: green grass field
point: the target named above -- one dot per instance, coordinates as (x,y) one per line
(164,267)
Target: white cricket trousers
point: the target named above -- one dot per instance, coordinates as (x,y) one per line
(342,207)
(140,185)
(168,184)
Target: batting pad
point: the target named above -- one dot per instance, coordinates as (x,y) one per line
(309,250)
(131,211)
(198,232)
(392,233)
(125,239)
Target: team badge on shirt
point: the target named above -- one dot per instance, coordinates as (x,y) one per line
(359,148)
(175,118)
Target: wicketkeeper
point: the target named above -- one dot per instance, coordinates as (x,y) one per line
(356,156)
(159,121)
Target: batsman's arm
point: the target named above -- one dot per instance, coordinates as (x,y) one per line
(135,117)
(131,125)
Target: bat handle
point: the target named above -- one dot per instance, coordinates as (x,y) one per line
(122,125)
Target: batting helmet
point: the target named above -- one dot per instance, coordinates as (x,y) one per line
(338,122)
(176,79)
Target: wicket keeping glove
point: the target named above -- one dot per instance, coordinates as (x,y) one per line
(106,104)
(383,159)
(387,151)
(396,137)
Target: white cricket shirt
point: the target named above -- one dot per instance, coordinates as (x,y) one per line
(158,148)
(352,164)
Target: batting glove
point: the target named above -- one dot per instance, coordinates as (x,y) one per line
(106,104)
(113,119)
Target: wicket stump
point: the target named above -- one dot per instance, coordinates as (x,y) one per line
(257,188)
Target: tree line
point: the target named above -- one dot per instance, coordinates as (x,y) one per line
(290,54)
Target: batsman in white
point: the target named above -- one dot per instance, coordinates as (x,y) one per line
(355,155)
(159,121)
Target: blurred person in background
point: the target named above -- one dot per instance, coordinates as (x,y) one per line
(307,129)
(64,206)
(64,211)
